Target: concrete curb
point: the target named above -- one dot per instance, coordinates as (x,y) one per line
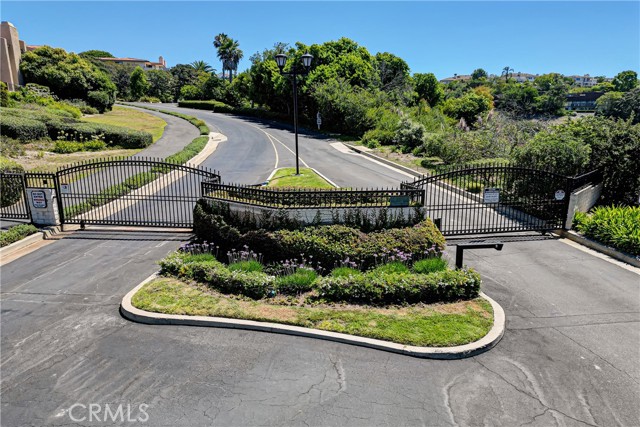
(457,352)
(385,161)
(599,247)
(20,244)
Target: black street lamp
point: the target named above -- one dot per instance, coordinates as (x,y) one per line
(295,71)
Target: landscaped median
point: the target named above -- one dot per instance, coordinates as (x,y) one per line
(389,289)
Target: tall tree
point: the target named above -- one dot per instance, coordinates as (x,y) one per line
(506,72)
(201,66)
(625,81)
(229,53)
(220,42)
(428,88)
(478,74)
(139,84)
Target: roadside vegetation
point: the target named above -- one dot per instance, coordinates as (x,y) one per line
(618,227)
(16,233)
(132,119)
(391,284)
(287,178)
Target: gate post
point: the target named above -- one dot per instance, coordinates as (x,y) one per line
(43,202)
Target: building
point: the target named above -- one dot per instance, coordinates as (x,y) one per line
(145,64)
(585,101)
(522,77)
(11,50)
(455,78)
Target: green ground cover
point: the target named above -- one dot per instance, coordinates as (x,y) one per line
(16,233)
(287,178)
(423,325)
(132,119)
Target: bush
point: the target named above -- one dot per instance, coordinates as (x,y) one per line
(65,147)
(376,137)
(216,106)
(299,282)
(16,233)
(114,136)
(328,245)
(151,99)
(99,100)
(395,267)
(617,226)
(22,128)
(383,289)
(4,95)
(10,189)
(246,266)
(430,265)
(344,272)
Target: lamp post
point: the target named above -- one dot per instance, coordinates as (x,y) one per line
(295,71)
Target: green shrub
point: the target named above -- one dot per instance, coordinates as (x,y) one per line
(394,267)
(246,266)
(216,106)
(376,137)
(299,282)
(344,272)
(383,289)
(617,226)
(330,245)
(10,189)
(151,99)
(22,128)
(99,100)
(95,145)
(430,265)
(4,95)
(64,147)
(16,233)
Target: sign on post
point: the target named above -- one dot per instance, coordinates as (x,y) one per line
(318,120)
(38,199)
(560,195)
(491,195)
(64,188)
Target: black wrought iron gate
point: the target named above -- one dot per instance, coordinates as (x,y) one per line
(495,199)
(132,192)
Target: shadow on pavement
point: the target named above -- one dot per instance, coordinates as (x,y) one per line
(458,240)
(124,234)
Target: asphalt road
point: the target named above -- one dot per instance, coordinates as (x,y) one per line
(570,355)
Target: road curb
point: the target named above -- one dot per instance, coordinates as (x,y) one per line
(457,352)
(599,247)
(20,244)
(385,161)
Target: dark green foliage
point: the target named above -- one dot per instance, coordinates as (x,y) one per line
(10,189)
(557,151)
(429,265)
(620,105)
(22,128)
(99,100)
(345,272)
(467,107)
(301,281)
(329,245)
(4,95)
(383,289)
(16,233)
(138,85)
(68,75)
(94,53)
(625,81)
(617,226)
(429,88)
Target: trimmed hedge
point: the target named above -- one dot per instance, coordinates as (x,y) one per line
(221,107)
(373,287)
(328,245)
(22,128)
(404,288)
(16,233)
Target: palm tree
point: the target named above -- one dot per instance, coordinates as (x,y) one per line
(506,71)
(201,66)
(229,53)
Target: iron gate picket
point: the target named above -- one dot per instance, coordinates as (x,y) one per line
(13,196)
(130,192)
(485,199)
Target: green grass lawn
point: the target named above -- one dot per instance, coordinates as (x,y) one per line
(132,119)
(437,325)
(287,178)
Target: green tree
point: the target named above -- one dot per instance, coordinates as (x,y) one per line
(161,85)
(95,54)
(625,81)
(506,72)
(393,72)
(229,53)
(138,84)
(467,107)
(68,75)
(184,75)
(201,66)
(553,89)
(428,88)
(620,105)
(555,150)
(519,100)
(478,74)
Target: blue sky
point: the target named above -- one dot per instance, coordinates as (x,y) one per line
(599,38)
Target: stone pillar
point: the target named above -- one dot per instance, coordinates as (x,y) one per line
(43,203)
